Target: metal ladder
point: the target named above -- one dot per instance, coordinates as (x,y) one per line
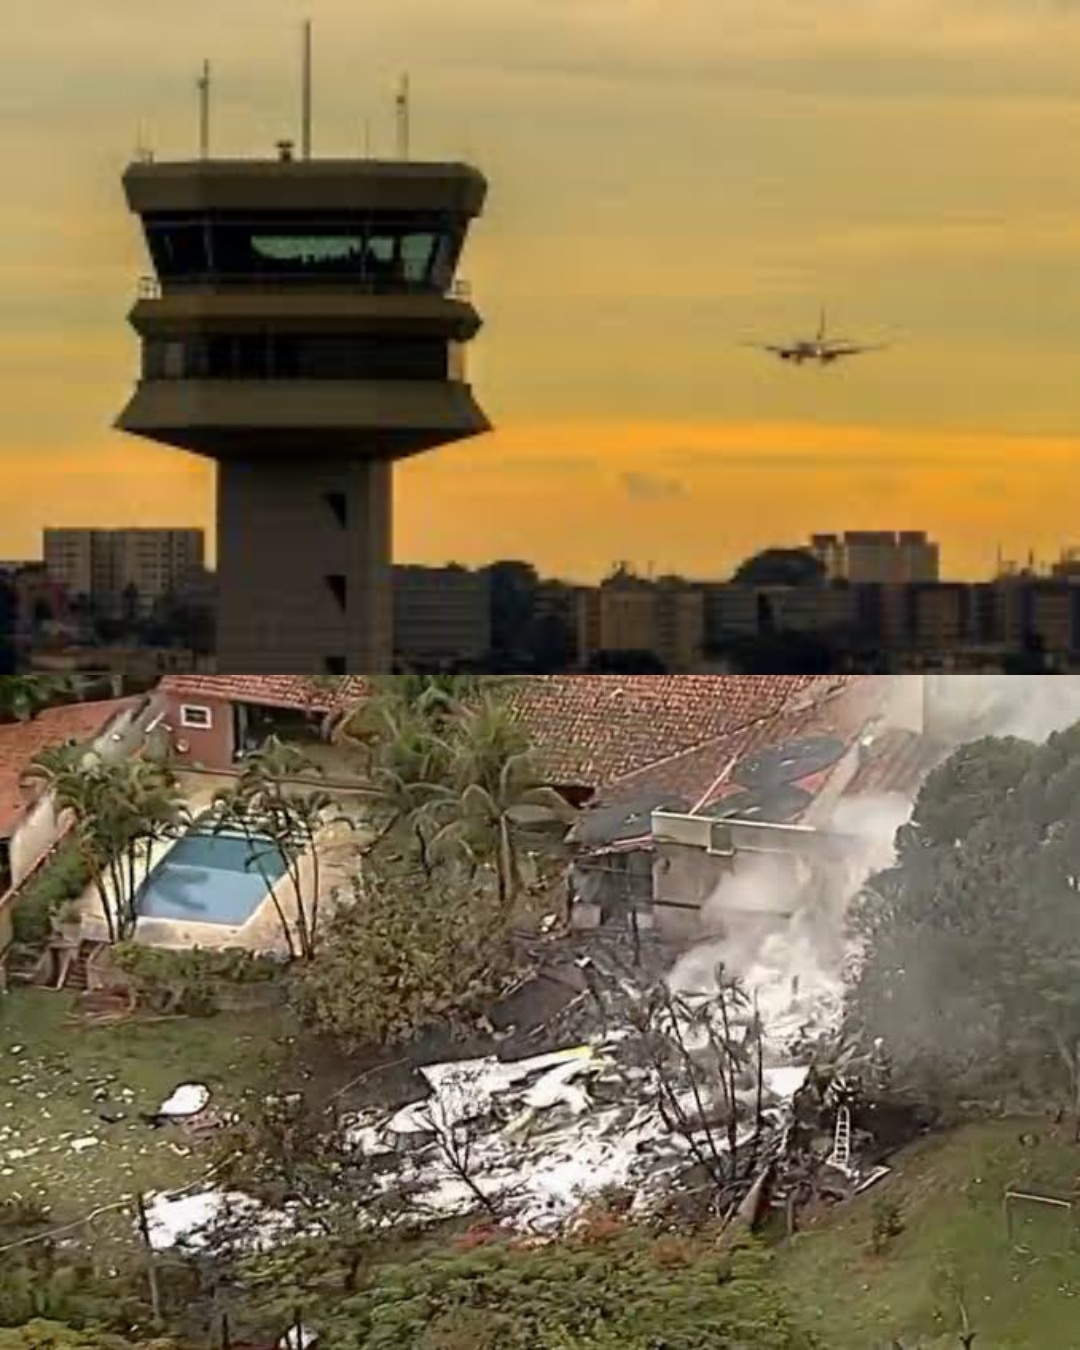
(840,1157)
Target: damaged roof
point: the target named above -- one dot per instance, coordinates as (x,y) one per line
(774,769)
(594,730)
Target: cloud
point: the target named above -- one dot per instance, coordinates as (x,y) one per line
(649,487)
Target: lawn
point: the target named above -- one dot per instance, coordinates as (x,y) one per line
(58,1074)
(1019,1293)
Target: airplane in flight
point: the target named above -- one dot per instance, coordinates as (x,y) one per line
(820,348)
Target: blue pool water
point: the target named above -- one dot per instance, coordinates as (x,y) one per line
(211,878)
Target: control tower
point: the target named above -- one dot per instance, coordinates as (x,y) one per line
(304,329)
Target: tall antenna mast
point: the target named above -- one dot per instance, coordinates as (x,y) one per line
(403,112)
(204,112)
(305,135)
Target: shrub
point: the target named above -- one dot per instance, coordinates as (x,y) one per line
(886,1223)
(61,879)
(570,1295)
(190,982)
(409,953)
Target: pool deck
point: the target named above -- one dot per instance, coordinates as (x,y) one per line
(336,847)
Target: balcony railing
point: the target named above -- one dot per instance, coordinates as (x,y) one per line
(150,288)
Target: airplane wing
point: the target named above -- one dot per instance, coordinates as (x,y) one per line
(855,349)
(768,347)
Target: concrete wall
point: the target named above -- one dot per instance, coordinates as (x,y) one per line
(278,543)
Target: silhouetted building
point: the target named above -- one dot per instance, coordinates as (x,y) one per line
(877,556)
(305,330)
(628,613)
(442,616)
(125,570)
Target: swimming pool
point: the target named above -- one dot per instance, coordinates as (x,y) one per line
(211,878)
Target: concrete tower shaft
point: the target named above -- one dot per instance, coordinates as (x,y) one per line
(305,328)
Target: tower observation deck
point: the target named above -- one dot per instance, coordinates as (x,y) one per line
(304,329)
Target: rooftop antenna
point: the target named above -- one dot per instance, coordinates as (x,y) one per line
(367,137)
(403,111)
(204,112)
(305,134)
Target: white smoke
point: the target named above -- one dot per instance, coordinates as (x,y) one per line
(963,707)
(780,926)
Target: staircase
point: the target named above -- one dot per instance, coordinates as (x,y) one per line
(69,965)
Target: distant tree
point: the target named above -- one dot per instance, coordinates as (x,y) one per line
(625,663)
(513,588)
(9,621)
(553,644)
(781,653)
(22,697)
(1031,659)
(130,604)
(780,567)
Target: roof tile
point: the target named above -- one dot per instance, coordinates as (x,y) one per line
(593,730)
(301,692)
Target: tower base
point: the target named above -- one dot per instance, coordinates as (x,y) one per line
(304,566)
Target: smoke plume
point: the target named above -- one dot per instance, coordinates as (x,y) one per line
(779,924)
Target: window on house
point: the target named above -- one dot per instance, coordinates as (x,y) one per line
(334,665)
(192,715)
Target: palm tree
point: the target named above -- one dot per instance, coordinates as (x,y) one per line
(118,811)
(280,818)
(495,805)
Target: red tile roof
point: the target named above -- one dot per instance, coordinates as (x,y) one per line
(839,707)
(897,761)
(21,742)
(301,692)
(592,730)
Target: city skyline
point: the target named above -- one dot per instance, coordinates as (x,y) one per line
(1028,561)
(617,277)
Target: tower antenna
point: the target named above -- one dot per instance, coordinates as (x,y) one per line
(204,112)
(305,133)
(403,114)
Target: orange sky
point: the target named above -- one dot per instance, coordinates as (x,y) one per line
(667,182)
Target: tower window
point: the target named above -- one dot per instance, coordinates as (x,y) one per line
(336,582)
(339,505)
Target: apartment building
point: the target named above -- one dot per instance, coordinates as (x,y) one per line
(442,615)
(877,557)
(628,613)
(110,567)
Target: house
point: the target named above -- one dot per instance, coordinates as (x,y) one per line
(663,838)
(588,730)
(211,721)
(29,826)
(592,731)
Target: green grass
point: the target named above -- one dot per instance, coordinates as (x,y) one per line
(1023,1293)
(52,1065)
